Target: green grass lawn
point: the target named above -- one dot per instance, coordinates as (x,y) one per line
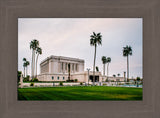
(80,93)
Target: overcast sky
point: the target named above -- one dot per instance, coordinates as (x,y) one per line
(71,37)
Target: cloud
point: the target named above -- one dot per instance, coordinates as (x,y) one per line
(71,37)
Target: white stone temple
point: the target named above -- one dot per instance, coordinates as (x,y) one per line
(59,65)
(55,68)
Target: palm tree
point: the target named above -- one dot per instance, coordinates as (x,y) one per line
(24,65)
(108,60)
(104,61)
(114,75)
(118,74)
(69,71)
(126,52)
(38,52)
(27,64)
(33,45)
(96,39)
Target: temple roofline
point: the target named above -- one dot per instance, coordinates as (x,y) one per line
(62,58)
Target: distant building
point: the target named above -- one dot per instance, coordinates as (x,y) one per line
(55,68)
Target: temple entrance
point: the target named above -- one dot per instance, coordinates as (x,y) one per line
(96,78)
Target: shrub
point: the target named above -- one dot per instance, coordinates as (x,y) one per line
(106,80)
(61,83)
(76,80)
(120,84)
(69,80)
(34,80)
(112,80)
(26,79)
(31,84)
(127,83)
(25,86)
(81,83)
(19,75)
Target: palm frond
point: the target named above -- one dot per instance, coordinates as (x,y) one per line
(108,60)
(104,60)
(127,50)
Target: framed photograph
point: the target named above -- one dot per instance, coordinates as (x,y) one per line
(79,59)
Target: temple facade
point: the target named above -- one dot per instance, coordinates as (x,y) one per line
(59,65)
(57,68)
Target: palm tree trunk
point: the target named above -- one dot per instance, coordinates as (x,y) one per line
(32,65)
(103,69)
(36,64)
(127,68)
(107,70)
(24,71)
(94,66)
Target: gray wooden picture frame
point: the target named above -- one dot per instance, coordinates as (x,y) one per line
(11,10)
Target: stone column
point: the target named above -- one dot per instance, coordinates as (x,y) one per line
(67,67)
(50,66)
(75,67)
(63,67)
(71,68)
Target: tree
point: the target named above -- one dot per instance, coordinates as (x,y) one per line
(108,60)
(27,64)
(24,65)
(38,52)
(138,78)
(95,40)
(69,71)
(97,69)
(33,45)
(18,76)
(104,61)
(118,74)
(114,75)
(126,52)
